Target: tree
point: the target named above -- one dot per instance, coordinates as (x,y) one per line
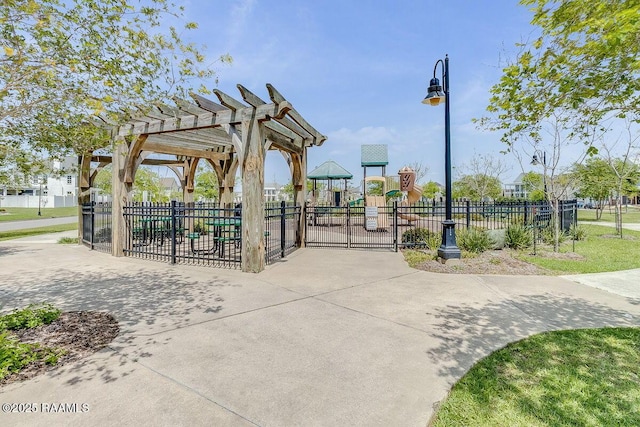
(625,169)
(589,50)
(563,86)
(481,178)
(477,187)
(595,181)
(65,66)
(430,190)
(148,181)
(287,189)
(206,184)
(103,179)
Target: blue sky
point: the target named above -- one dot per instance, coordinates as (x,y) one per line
(358,71)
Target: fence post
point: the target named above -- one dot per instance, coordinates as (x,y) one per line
(468,206)
(395,225)
(526,212)
(283,230)
(349,226)
(173,232)
(93,215)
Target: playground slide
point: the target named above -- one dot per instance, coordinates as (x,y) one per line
(383,220)
(413,196)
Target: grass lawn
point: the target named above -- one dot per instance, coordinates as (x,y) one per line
(15,234)
(20,214)
(587,377)
(601,251)
(632,214)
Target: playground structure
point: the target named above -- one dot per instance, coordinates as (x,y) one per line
(376,156)
(414,192)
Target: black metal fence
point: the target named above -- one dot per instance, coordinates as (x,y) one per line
(383,227)
(195,233)
(96,226)
(280,230)
(202,234)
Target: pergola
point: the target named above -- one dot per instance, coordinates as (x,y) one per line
(228,135)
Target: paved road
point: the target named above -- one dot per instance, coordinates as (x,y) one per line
(325,337)
(34,223)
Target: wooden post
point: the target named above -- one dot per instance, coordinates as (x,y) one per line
(299,179)
(120,190)
(84,189)
(253,251)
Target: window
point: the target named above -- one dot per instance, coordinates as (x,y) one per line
(69,179)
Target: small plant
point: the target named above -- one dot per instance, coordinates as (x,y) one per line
(518,237)
(416,238)
(548,236)
(577,232)
(68,240)
(200,227)
(415,258)
(473,240)
(14,355)
(32,316)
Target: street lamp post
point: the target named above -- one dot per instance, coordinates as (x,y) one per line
(448,250)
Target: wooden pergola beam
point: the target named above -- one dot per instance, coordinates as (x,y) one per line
(169,149)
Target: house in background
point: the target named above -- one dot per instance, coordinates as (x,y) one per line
(517,189)
(58,188)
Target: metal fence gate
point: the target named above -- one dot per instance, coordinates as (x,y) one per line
(96,226)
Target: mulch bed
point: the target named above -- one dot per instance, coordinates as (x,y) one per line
(78,333)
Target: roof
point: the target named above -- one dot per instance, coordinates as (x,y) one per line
(374,155)
(330,170)
(169,183)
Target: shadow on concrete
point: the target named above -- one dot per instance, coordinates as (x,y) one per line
(468,334)
(144,303)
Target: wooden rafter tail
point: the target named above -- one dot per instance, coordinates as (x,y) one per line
(228,101)
(188,108)
(274,94)
(168,111)
(207,104)
(277,97)
(249,97)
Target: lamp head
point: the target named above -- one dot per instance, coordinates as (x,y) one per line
(534,160)
(435,96)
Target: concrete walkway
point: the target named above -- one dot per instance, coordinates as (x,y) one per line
(35,223)
(326,337)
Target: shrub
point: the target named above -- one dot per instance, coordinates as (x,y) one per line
(473,240)
(577,232)
(421,238)
(32,316)
(518,237)
(416,237)
(548,237)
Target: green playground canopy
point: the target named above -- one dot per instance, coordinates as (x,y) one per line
(329,170)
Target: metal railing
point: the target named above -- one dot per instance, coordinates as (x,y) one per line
(280,230)
(96,226)
(384,227)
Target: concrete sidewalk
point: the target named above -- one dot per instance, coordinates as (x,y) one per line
(325,337)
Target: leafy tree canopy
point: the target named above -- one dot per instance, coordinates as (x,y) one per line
(68,65)
(477,187)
